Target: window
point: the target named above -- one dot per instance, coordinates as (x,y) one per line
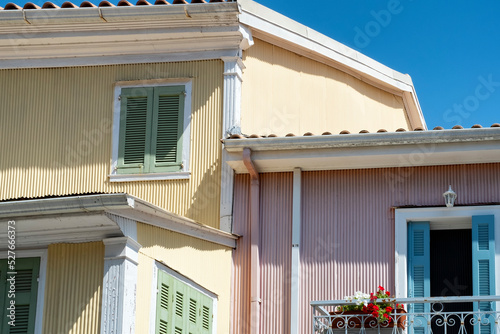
(152,137)
(181,308)
(26,290)
(447,252)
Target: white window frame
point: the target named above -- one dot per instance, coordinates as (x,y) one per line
(185,172)
(439,218)
(42,254)
(154,284)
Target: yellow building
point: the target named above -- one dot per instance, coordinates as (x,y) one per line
(115,195)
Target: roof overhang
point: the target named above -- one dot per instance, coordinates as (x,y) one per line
(40,222)
(360,151)
(282,31)
(113,35)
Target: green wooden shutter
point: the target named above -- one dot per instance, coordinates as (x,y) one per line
(419,270)
(135,134)
(26,290)
(167,128)
(181,309)
(200,313)
(483,266)
(163,303)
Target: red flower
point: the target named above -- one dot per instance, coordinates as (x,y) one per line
(364,308)
(375,307)
(386,316)
(375,314)
(388,309)
(388,293)
(381,288)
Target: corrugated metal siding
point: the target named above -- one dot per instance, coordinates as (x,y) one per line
(302,95)
(205,263)
(347,234)
(275,259)
(56,129)
(73,288)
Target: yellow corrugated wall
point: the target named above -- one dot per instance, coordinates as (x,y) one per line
(284,92)
(56,130)
(206,263)
(73,288)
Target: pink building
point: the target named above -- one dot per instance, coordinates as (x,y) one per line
(324,216)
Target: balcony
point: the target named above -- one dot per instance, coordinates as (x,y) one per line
(432,315)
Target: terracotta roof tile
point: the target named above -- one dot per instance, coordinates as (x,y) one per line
(87,4)
(30,5)
(68,4)
(123,3)
(12,6)
(105,3)
(49,5)
(346,132)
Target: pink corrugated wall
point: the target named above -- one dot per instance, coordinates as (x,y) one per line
(347,240)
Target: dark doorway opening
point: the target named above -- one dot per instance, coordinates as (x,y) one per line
(451,274)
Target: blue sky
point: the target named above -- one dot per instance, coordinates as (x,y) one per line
(450,49)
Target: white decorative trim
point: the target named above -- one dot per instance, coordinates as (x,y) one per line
(186,136)
(444,216)
(231,123)
(152,311)
(119,285)
(295,274)
(42,274)
(367,150)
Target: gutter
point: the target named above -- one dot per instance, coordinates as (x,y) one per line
(483,135)
(123,205)
(255,299)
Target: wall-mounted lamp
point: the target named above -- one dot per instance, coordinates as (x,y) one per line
(449,197)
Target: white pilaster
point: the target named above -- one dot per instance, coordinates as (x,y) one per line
(296,218)
(233,70)
(119,285)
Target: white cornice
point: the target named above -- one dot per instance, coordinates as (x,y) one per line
(138,34)
(40,222)
(359,151)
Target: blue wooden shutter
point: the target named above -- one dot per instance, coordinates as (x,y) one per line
(26,291)
(419,270)
(483,266)
(168,111)
(135,134)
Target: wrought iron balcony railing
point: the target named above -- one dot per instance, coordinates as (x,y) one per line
(432,315)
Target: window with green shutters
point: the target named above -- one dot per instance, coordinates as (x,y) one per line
(180,308)
(26,290)
(151,129)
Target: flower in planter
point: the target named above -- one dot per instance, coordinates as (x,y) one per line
(381,311)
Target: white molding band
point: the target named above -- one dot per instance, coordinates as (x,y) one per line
(119,285)
(296,222)
(231,123)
